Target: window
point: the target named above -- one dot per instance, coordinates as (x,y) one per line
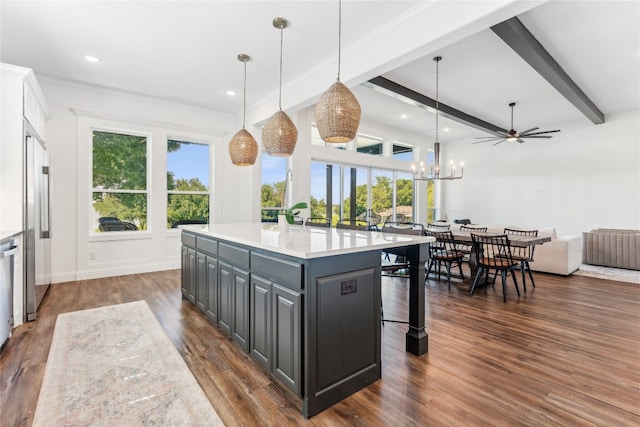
(369,145)
(187,183)
(274,173)
(320,206)
(364,191)
(355,185)
(404,197)
(120,196)
(402,152)
(382,194)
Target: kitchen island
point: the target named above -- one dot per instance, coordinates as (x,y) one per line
(305,303)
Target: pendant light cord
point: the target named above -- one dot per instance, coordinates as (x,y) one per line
(339,33)
(437,97)
(280,92)
(244,95)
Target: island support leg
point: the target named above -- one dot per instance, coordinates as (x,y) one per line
(417,341)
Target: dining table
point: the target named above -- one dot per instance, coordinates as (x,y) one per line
(464,237)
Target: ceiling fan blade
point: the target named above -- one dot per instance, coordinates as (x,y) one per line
(527,131)
(502,140)
(489,140)
(489,137)
(539,133)
(520,140)
(536,136)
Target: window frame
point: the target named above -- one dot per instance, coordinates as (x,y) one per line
(147,191)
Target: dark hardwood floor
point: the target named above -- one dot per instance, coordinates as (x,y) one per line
(566,353)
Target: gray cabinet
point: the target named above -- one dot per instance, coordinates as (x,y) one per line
(240,308)
(189,271)
(201,281)
(275,330)
(233,303)
(260,318)
(286,305)
(211,301)
(225,295)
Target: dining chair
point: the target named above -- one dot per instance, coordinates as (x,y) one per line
(443,250)
(318,222)
(353,224)
(493,252)
(438,226)
(467,248)
(398,227)
(403,228)
(523,254)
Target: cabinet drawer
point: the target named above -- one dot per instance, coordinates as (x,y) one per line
(277,269)
(238,257)
(188,239)
(207,245)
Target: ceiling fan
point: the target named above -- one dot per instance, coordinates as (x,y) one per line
(512,135)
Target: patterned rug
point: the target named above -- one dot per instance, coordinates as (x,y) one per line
(609,273)
(115,366)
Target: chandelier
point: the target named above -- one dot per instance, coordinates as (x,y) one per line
(433,172)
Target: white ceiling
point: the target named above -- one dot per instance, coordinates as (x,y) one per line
(185,51)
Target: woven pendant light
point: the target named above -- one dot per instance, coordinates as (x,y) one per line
(243,147)
(338,111)
(279,134)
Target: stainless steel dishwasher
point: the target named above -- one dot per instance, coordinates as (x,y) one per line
(8,250)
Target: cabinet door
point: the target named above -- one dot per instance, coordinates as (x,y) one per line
(225,288)
(184,271)
(285,311)
(240,314)
(260,319)
(189,274)
(201,281)
(211,300)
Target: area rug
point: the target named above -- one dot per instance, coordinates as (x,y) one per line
(115,366)
(608,273)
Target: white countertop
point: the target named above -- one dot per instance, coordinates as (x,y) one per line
(7,234)
(303,241)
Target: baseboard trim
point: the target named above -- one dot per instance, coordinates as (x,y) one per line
(121,271)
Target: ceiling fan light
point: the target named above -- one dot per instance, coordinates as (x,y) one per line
(279,135)
(243,148)
(338,114)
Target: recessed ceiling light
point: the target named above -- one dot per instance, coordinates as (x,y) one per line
(91,58)
(404,116)
(446,129)
(231,92)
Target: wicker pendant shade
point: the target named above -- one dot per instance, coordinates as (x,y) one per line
(243,148)
(279,134)
(338,111)
(338,114)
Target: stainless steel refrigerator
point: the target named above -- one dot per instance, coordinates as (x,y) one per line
(37,245)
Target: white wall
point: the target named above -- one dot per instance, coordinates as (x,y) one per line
(75,106)
(586,176)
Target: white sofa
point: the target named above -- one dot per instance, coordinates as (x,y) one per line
(562,255)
